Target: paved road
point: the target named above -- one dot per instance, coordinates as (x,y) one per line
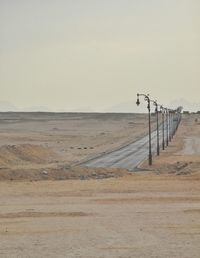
(129,156)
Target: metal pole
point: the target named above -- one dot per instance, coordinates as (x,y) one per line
(158,144)
(163,129)
(173,119)
(169,125)
(146,98)
(172,126)
(167,140)
(176,121)
(150,154)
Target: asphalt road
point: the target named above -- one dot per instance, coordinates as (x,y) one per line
(129,156)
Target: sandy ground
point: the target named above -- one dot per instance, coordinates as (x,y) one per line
(182,156)
(45,145)
(155,213)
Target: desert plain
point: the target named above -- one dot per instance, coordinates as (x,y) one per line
(53,206)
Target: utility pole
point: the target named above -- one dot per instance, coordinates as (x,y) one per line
(146,98)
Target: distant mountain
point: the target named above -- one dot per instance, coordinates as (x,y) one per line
(123,107)
(131,106)
(7,106)
(187,105)
(87,109)
(36,109)
(128,107)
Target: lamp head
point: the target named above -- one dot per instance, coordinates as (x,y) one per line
(138,101)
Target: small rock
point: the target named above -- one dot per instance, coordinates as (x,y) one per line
(82,177)
(44,172)
(67,166)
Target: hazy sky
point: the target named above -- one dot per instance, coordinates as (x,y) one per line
(79,54)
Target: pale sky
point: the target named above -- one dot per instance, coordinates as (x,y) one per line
(95,54)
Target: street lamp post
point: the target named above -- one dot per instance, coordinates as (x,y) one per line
(167,128)
(174,122)
(163,126)
(170,124)
(146,98)
(157,126)
(179,116)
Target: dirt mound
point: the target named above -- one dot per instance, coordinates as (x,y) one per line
(11,155)
(60,173)
(179,168)
(36,162)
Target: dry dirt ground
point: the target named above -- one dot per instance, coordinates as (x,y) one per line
(46,145)
(154,213)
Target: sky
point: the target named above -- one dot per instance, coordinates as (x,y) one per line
(95,55)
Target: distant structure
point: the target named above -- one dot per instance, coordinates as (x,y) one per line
(179,109)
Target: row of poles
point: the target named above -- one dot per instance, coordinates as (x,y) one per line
(170,121)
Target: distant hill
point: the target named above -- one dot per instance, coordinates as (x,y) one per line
(36,109)
(7,106)
(187,105)
(130,106)
(123,107)
(127,107)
